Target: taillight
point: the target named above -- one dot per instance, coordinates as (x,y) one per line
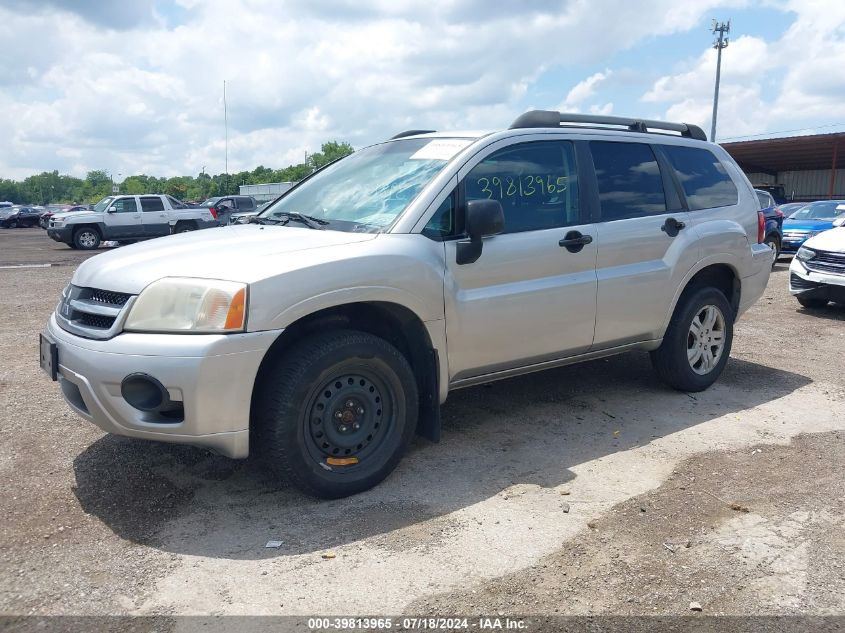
(213,212)
(761,227)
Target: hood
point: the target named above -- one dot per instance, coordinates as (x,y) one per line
(5,213)
(246,253)
(77,214)
(832,241)
(806,225)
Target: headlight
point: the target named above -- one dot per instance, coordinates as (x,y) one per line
(189,305)
(805,254)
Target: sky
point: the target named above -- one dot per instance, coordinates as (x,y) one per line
(135,86)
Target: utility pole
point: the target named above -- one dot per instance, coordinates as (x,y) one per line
(722,29)
(226,128)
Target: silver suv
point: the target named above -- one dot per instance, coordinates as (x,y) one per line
(330,329)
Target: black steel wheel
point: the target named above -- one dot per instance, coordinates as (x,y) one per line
(336,413)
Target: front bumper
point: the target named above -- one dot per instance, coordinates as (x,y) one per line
(63,234)
(211,375)
(815,285)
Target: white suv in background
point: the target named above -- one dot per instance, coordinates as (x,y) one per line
(327,331)
(817,272)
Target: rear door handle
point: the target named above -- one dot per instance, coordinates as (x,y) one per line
(672,227)
(574,241)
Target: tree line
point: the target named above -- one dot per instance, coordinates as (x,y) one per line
(52,187)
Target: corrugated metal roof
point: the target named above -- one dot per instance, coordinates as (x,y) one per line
(792,153)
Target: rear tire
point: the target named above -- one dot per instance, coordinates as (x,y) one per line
(342,395)
(697,342)
(812,303)
(184,227)
(13,224)
(86,239)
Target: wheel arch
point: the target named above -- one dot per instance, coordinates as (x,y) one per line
(395,323)
(716,274)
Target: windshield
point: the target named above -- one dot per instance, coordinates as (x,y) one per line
(103,204)
(827,210)
(368,190)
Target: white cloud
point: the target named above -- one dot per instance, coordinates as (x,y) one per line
(766,85)
(138,88)
(582,91)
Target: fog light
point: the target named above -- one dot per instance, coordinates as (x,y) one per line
(145,393)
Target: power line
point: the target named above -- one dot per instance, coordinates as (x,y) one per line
(802,129)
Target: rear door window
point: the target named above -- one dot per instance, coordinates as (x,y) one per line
(703,178)
(152,203)
(629,180)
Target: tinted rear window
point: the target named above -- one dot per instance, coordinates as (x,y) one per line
(630,184)
(152,204)
(703,178)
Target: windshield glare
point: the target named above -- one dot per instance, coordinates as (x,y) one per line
(103,204)
(368,190)
(826,210)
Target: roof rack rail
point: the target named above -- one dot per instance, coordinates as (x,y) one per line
(410,133)
(551,118)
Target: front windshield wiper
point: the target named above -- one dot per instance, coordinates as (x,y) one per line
(284,217)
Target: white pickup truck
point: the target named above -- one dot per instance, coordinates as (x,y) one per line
(127,219)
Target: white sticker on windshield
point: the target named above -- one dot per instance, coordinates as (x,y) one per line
(441,149)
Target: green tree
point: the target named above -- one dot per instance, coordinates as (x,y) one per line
(330,152)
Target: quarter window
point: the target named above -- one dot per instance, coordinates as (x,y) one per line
(152,203)
(442,223)
(535,182)
(125,205)
(703,178)
(629,180)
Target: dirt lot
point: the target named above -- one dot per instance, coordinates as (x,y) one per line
(590,489)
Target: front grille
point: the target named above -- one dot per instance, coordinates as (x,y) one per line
(91,312)
(106,296)
(794,235)
(95,320)
(799,283)
(827,263)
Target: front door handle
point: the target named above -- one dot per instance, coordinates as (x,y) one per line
(672,227)
(574,241)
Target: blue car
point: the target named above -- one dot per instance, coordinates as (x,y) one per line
(773,218)
(808,221)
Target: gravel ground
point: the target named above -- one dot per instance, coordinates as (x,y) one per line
(497,517)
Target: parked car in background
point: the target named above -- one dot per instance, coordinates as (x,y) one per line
(44,218)
(777,192)
(242,217)
(127,219)
(18,216)
(789,208)
(773,219)
(809,221)
(817,272)
(222,207)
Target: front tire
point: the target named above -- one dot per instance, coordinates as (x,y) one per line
(86,239)
(812,303)
(335,414)
(697,342)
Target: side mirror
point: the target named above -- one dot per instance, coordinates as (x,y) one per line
(111,210)
(483,218)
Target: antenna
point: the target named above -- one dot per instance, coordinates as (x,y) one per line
(226,128)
